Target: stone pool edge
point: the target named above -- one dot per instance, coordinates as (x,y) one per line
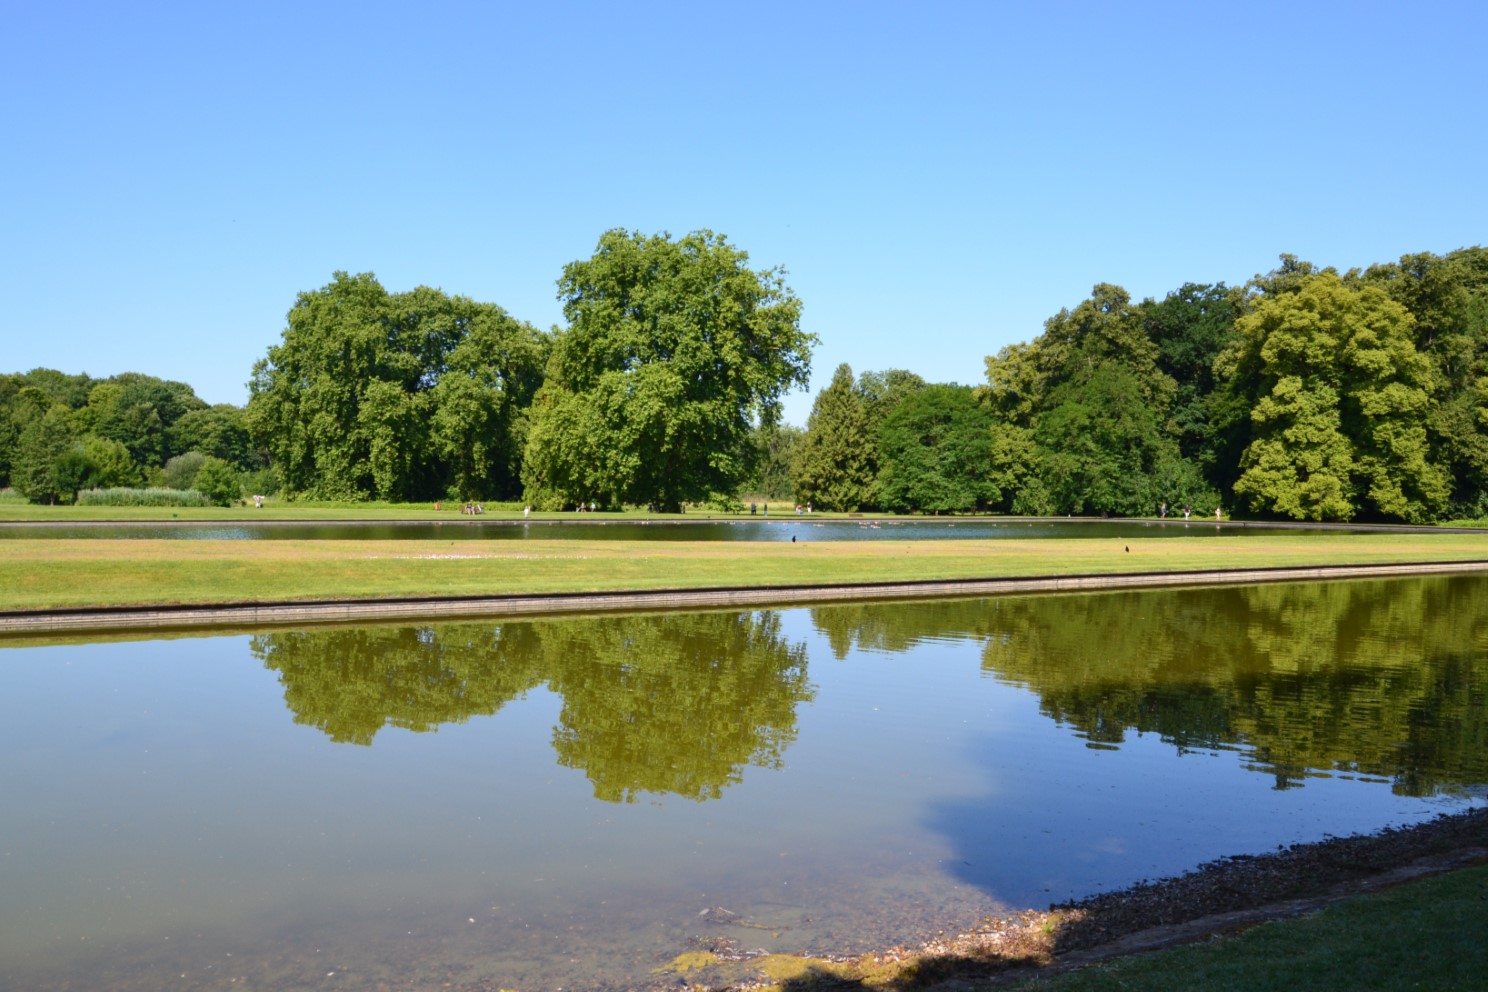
(523,605)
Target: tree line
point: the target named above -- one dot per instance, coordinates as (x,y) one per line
(62,434)
(1303,394)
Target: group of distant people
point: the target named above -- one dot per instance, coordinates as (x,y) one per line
(800,508)
(471,508)
(1162,511)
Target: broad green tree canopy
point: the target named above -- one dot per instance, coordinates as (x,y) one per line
(937,452)
(674,350)
(1339,423)
(395,395)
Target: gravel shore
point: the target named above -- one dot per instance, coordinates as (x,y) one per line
(1224,895)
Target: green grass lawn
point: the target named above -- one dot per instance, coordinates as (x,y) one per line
(38,573)
(1427,935)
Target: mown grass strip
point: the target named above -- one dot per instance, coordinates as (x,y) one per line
(37,574)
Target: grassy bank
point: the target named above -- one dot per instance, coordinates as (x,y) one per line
(1425,935)
(42,574)
(1398,909)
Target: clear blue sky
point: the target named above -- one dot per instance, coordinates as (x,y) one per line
(939,178)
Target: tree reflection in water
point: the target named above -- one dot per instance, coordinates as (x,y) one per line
(661,704)
(1373,678)
(1383,679)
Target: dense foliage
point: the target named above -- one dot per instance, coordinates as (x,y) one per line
(1304,394)
(61,434)
(674,352)
(836,461)
(396,396)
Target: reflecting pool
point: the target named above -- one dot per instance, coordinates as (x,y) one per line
(575,802)
(720,529)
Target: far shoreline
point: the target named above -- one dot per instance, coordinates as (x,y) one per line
(310,516)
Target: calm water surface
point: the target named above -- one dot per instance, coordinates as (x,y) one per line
(568,803)
(746,529)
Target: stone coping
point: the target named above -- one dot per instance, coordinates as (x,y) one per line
(344,611)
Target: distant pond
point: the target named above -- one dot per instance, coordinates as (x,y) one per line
(575,802)
(720,529)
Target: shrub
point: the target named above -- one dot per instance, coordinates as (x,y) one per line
(218,482)
(93,463)
(180,471)
(262,482)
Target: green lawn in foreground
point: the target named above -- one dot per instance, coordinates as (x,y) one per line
(1425,935)
(42,573)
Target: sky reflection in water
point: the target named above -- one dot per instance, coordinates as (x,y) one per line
(744,529)
(581,789)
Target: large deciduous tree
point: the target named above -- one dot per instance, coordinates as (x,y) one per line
(1448,297)
(1190,327)
(95,463)
(674,351)
(397,396)
(1103,446)
(1338,423)
(138,411)
(220,431)
(937,452)
(1085,414)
